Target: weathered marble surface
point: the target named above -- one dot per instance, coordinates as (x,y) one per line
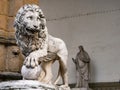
(28,85)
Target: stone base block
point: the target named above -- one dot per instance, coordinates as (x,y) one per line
(29,85)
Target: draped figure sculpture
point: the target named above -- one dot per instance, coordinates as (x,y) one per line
(82,62)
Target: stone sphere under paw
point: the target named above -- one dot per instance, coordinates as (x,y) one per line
(30,73)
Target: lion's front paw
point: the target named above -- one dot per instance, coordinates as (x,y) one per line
(31,62)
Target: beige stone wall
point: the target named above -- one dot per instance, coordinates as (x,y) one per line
(95,24)
(9,60)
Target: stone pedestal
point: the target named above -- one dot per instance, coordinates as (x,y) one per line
(28,85)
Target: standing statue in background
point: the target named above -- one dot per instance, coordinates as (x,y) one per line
(82,62)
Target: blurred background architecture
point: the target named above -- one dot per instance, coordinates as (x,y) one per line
(95,24)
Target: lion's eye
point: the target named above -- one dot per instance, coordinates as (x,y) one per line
(30,17)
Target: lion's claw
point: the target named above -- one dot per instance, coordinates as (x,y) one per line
(30,62)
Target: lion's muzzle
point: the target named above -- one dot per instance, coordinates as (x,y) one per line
(32,31)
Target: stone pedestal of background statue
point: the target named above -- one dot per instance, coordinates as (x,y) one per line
(81,89)
(28,85)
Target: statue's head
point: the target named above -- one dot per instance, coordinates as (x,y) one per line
(81,48)
(30,19)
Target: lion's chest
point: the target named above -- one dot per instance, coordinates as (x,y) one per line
(30,44)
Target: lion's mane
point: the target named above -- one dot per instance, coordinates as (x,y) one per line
(26,41)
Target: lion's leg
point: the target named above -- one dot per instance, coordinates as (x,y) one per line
(63,70)
(46,66)
(64,75)
(42,75)
(58,76)
(48,75)
(63,56)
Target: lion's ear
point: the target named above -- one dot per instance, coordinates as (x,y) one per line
(42,26)
(42,34)
(43,23)
(41,16)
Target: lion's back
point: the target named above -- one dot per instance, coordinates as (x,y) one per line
(56,45)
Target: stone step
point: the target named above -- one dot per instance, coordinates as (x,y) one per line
(28,85)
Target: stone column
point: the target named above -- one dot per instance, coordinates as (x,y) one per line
(9,61)
(3,29)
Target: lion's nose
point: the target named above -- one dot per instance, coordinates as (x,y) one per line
(35,26)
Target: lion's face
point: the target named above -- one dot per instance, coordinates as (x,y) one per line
(30,19)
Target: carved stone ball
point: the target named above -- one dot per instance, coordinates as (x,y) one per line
(30,73)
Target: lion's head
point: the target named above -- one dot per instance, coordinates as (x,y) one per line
(30,28)
(29,19)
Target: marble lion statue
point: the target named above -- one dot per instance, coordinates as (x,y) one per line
(35,42)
